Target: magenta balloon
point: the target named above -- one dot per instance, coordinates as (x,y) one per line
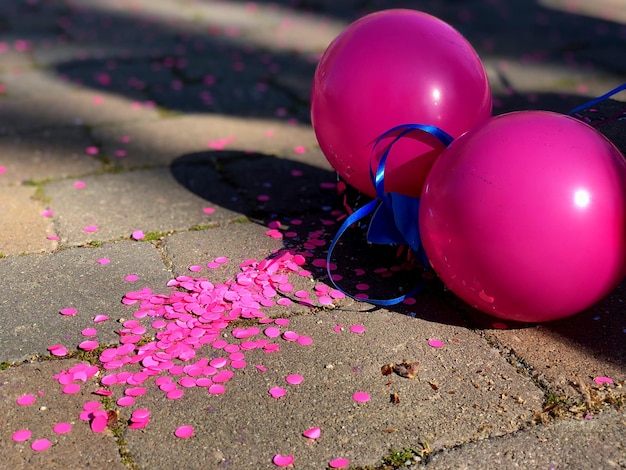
(390,68)
(524,216)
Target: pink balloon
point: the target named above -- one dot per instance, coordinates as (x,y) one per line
(390,68)
(524,216)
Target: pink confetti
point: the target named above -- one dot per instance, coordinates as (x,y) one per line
(71,389)
(339,463)
(300,149)
(47,213)
(312,433)
(99,421)
(305,340)
(90,228)
(290,336)
(603,380)
(62,428)
(435,343)
(40,445)
(217,389)
(89,345)
(277,392)
(79,184)
(21,435)
(358,329)
(131,278)
(184,432)
(195,268)
(283,460)
(294,379)
(3,170)
(58,350)
(138,235)
(208,210)
(103,261)
(361,397)
(89,332)
(26,400)
(92,150)
(100,318)
(68,312)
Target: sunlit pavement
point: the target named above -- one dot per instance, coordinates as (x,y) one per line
(145,140)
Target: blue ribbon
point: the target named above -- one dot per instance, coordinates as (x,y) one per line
(395,216)
(599,99)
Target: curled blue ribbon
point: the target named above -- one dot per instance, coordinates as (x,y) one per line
(599,99)
(395,216)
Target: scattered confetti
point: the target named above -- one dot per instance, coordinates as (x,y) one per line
(283,460)
(435,343)
(68,312)
(294,379)
(103,261)
(358,329)
(361,397)
(79,184)
(277,392)
(138,235)
(90,228)
(47,213)
(184,432)
(603,380)
(62,428)
(312,433)
(339,463)
(40,445)
(208,210)
(22,435)
(26,400)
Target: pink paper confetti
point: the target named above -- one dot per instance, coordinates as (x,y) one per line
(358,329)
(71,389)
(40,445)
(283,460)
(312,433)
(294,379)
(603,380)
(68,312)
(138,235)
(339,463)
(436,343)
(89,332)
(58,350)
(89,345)
(277,392)
(208,210)
(22,435)
(100,318)
(184,432)
(99,421)
(361,397)
(26,400)
(103,261)
(90,228)
(47,213)
(62,428)
(131,278)
(79,184)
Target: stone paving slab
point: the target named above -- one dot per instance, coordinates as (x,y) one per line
(164,141)
(80,448)
(36,288)
(463,391)
(149,200)
(48,154)
(79,108)
(24,228)
(595,443)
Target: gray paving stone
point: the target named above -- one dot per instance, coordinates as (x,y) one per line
(149,200)
(236,241)
(595,443)
(463,391)
(69,109)
(46,154)
(36,288)
(80,448)
(164,141)
(23,228)
(567,354)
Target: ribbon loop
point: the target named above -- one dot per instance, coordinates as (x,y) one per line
(395,216)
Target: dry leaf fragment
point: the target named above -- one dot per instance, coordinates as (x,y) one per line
(395,399)
(387,369)
(406,369)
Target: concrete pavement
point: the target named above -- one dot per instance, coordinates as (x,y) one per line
(147,141)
